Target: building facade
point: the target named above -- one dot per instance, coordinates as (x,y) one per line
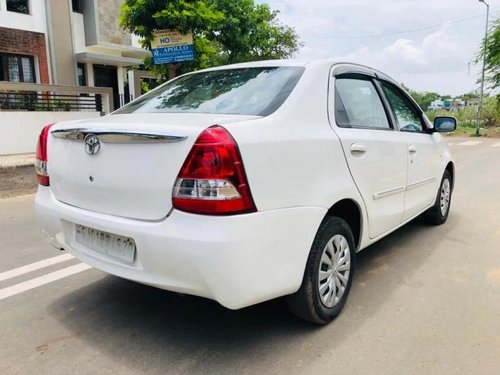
(23,42)
(67,42)
(436,105)
(454,104)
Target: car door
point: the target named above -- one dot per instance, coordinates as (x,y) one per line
(375,151)
(423,153)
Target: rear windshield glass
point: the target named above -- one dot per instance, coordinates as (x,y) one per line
(248,91)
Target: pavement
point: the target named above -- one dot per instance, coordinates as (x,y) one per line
(17,160)
(425,300)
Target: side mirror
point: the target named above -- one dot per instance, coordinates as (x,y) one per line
(445,124)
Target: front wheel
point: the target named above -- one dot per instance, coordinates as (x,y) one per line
(328,274)
(438,213)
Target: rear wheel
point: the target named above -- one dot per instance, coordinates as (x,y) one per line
(438,213)
(328,275)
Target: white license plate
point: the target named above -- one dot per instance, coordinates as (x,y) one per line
(119,247)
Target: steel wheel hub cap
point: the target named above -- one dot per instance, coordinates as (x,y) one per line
(334,270)
(445,197)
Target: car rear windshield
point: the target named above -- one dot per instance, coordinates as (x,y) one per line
(245,91)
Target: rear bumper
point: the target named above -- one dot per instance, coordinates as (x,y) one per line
(236,260)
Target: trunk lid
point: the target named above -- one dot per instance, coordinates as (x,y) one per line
(133,172)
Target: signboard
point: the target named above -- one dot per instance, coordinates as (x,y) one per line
(170,46)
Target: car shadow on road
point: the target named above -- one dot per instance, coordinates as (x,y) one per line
(145,328)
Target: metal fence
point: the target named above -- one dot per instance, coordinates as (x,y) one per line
(47,101)
(41,97)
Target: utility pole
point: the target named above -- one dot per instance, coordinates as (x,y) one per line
(479,109)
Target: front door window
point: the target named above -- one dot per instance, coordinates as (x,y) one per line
(407,115)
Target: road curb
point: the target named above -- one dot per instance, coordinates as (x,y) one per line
(19,160)
(15,166)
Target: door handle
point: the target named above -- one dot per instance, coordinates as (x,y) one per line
(358,148)
(412,149)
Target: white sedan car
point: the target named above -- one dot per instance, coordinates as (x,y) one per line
(247,182)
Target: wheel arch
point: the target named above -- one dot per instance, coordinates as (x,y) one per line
(349,211)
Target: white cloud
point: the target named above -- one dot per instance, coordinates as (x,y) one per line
(439,62)
(434,59)
(405,50)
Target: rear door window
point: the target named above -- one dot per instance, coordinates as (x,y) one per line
(358,104)
(245,91)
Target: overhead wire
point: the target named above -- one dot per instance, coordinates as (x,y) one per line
(455,21)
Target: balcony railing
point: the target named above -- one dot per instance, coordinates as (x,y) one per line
(40,97)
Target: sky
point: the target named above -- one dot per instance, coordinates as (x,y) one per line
(429,45)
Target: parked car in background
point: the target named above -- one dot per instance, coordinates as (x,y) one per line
(247,182)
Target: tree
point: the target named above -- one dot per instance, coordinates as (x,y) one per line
(224,31)
(490,112)
(424,99)
(492,57)
(251,31)
(470,95)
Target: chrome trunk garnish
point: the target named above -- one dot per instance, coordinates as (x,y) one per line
(118,135)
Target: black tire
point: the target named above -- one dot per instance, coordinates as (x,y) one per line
(307,303)
(435,215)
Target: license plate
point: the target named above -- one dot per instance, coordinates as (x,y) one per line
(119,247)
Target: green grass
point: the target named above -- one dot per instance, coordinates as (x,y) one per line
(470,131)
(467,123)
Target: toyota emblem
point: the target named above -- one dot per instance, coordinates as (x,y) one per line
(92,144)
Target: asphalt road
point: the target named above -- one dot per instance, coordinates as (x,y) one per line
(425,300)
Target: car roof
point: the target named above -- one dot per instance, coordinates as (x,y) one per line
(264,63)
(306,63)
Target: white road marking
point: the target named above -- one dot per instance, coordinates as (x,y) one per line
(42,280)
(469,143)
(450,144)
(496,145)
(34,266)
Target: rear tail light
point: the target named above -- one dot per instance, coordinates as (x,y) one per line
(41,157)
(212,180)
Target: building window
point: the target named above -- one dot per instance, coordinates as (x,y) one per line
(81,73)
(19,6)
(77,6)
(17,68)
